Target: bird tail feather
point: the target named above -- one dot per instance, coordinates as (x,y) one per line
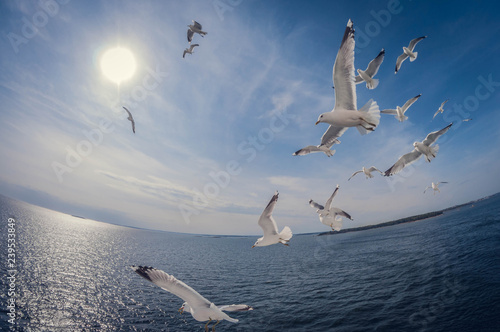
(286,233)
(434,150)
(372,84)
(372,115)
(414,58)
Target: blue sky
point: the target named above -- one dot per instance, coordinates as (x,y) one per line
(215,132)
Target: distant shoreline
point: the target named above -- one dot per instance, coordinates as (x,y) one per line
(414,218)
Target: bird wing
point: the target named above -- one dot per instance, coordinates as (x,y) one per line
(444,102)
(414,42)
(129,114)
(197,25)
(389,111)
(184,54)
(308,149)
(358,79)
(374,65)
(235,307)
(316,205)
(192,47)
(354,174)
(435,114)
(410,102)
(328,203)
(190,34)
(399,61)
(131,118)
(343,72)
(402,162)
(173,285)
(432,137)
(331,136)
(342,213)
(426,189)
(442,182)
(266,220)
(373,168)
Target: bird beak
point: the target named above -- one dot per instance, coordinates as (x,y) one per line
(317,122)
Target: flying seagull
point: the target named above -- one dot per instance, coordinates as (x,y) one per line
(328,215)
(399,112)
(271,235)
(408,52)
(345,113)
(434,187)
(371,70)
(367,171)
(189,50)
(423,147)
(466,120)
(440,109)
(130,118)
(194,28)
(200,308)
(323,147)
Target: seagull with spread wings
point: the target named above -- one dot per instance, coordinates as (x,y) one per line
(421,148)
(328,215)
(440,109)
(367,171)
(408,52)
(200,308)
(194,28)
(268,225)
(434,186)
(189,50)
(130,118)
(399,112)
(371,70)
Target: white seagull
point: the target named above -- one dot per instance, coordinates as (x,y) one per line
(371,70)
(466,120)
(328,215)
(408,52)
(399,112)
(434,186)
(345,114)
(271,235)
(130,118)
(423,147)
(367,171)
(194,28)
(200,308)
(440,109)
(189,50)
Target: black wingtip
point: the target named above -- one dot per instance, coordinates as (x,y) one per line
(143,271)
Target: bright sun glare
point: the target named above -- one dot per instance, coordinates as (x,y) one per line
(118,64)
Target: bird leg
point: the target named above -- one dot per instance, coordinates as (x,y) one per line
(213,327)
(371,124)
(206,325)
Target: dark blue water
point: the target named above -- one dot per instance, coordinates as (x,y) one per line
(439,274)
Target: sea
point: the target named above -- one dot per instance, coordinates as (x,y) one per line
(73,274)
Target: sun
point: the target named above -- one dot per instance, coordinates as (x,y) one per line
(118,64)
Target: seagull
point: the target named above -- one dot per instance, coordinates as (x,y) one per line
(466,120)
(371,70)
(200,308)
(271,235)
(195,27)
(367,171)
(189,50)
(423,147)
(130,118)
(440,110)
(408,52)
(399,112)
(331,216)
(318,148)
(345,113)
(434,186)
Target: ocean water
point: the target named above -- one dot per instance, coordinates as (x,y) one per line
(438,274)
